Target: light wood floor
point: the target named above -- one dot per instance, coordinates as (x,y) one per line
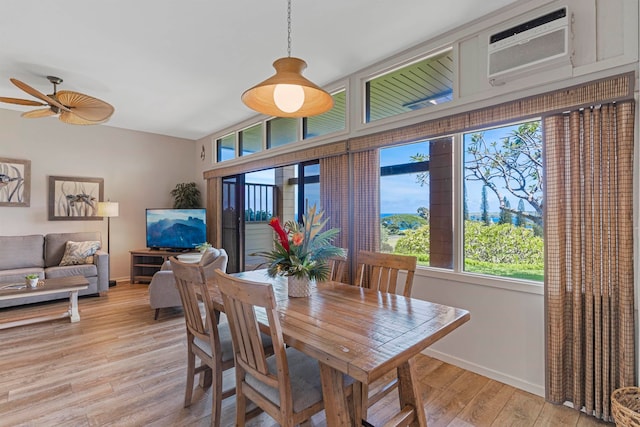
(118,366)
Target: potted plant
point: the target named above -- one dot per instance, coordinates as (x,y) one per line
(301,252)
(186,196)
(32,280)
(203,247)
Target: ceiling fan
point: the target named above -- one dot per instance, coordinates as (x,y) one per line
(73,107)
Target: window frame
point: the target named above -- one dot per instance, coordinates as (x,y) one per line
(457,274)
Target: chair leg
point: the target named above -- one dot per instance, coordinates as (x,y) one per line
(191,367)
(241,401)
(155,317)
(216,393)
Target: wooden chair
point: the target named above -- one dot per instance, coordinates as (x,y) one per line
(379,271)
(337,268)
(287,385)
(211,343)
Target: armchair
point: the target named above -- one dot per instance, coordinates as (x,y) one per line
(163,292)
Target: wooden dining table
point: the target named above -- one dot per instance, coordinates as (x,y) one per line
(361,333)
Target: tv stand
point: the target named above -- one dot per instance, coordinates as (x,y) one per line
(146,262)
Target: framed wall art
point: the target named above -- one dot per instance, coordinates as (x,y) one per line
(74,198)
(15,182)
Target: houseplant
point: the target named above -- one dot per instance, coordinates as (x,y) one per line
(32,280)
(186,196)
(301,251)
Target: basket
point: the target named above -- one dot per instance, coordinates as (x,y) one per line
(625,406)
(299,287)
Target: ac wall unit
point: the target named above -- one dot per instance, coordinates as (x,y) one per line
(527,47)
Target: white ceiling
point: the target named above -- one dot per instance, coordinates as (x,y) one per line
(178,67)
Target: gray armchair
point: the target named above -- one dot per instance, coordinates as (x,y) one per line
(163,292)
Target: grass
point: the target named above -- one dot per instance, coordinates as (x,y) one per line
(514,271)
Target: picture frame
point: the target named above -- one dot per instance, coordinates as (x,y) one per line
(74,198)
(15,182)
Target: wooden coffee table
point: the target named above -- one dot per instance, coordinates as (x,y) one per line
(71,284)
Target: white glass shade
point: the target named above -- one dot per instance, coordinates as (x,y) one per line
(288,98)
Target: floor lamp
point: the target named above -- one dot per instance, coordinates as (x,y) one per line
(108,209)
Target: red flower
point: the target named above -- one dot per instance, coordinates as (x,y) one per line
(275,224)
(297,238)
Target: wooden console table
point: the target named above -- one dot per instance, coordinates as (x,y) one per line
(145,263)
(70,284)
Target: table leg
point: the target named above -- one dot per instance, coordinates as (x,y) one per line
(335,401)
(74,314)
(409,392)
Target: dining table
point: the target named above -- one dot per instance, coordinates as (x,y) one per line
(359,332)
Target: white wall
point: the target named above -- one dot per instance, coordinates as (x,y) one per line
(139,171)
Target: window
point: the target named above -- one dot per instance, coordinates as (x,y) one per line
(333,120)
(503,202)
(416,201)
(281,131)
(501,209)
(309,193)
(250,140)
(226,147)
(419,85)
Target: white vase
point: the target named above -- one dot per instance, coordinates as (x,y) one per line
(299,287)
(32,282)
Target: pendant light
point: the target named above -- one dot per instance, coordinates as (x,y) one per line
(287,93)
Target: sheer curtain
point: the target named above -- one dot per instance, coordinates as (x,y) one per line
(589,295)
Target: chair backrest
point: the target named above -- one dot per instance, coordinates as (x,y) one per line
(191,281)
(337,268)
(241,298)
(377,270)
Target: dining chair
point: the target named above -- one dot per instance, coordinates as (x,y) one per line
(287,385)
(337,268)
(207,340)
(377,270)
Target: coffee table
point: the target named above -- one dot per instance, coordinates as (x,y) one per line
(71,284)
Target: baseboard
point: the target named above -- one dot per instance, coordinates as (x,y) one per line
(489,373)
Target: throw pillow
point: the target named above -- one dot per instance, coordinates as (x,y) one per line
(76,253)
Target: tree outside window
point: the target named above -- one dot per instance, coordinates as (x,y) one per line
(504,167)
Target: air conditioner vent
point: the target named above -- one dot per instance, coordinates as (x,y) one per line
(522,49)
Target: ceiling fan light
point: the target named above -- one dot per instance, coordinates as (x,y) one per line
(262,97)
(288,98)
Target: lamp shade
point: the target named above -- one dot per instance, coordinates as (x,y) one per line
(287,93)
(107,209)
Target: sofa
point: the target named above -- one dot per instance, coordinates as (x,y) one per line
(163,292)
(42,255)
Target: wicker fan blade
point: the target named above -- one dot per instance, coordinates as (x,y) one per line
(73,119)
(21,101)
(85,106)
(36,114)
(31,91)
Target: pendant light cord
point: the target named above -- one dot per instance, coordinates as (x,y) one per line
(289,28)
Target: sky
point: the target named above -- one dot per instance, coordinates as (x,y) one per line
(403,194)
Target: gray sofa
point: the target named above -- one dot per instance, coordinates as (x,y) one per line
(22,255)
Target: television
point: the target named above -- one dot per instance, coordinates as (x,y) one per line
(176,229)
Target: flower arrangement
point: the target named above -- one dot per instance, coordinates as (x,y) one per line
(301,250)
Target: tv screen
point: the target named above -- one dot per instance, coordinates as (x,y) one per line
(176,229)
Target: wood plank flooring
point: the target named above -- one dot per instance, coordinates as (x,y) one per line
(119,367)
